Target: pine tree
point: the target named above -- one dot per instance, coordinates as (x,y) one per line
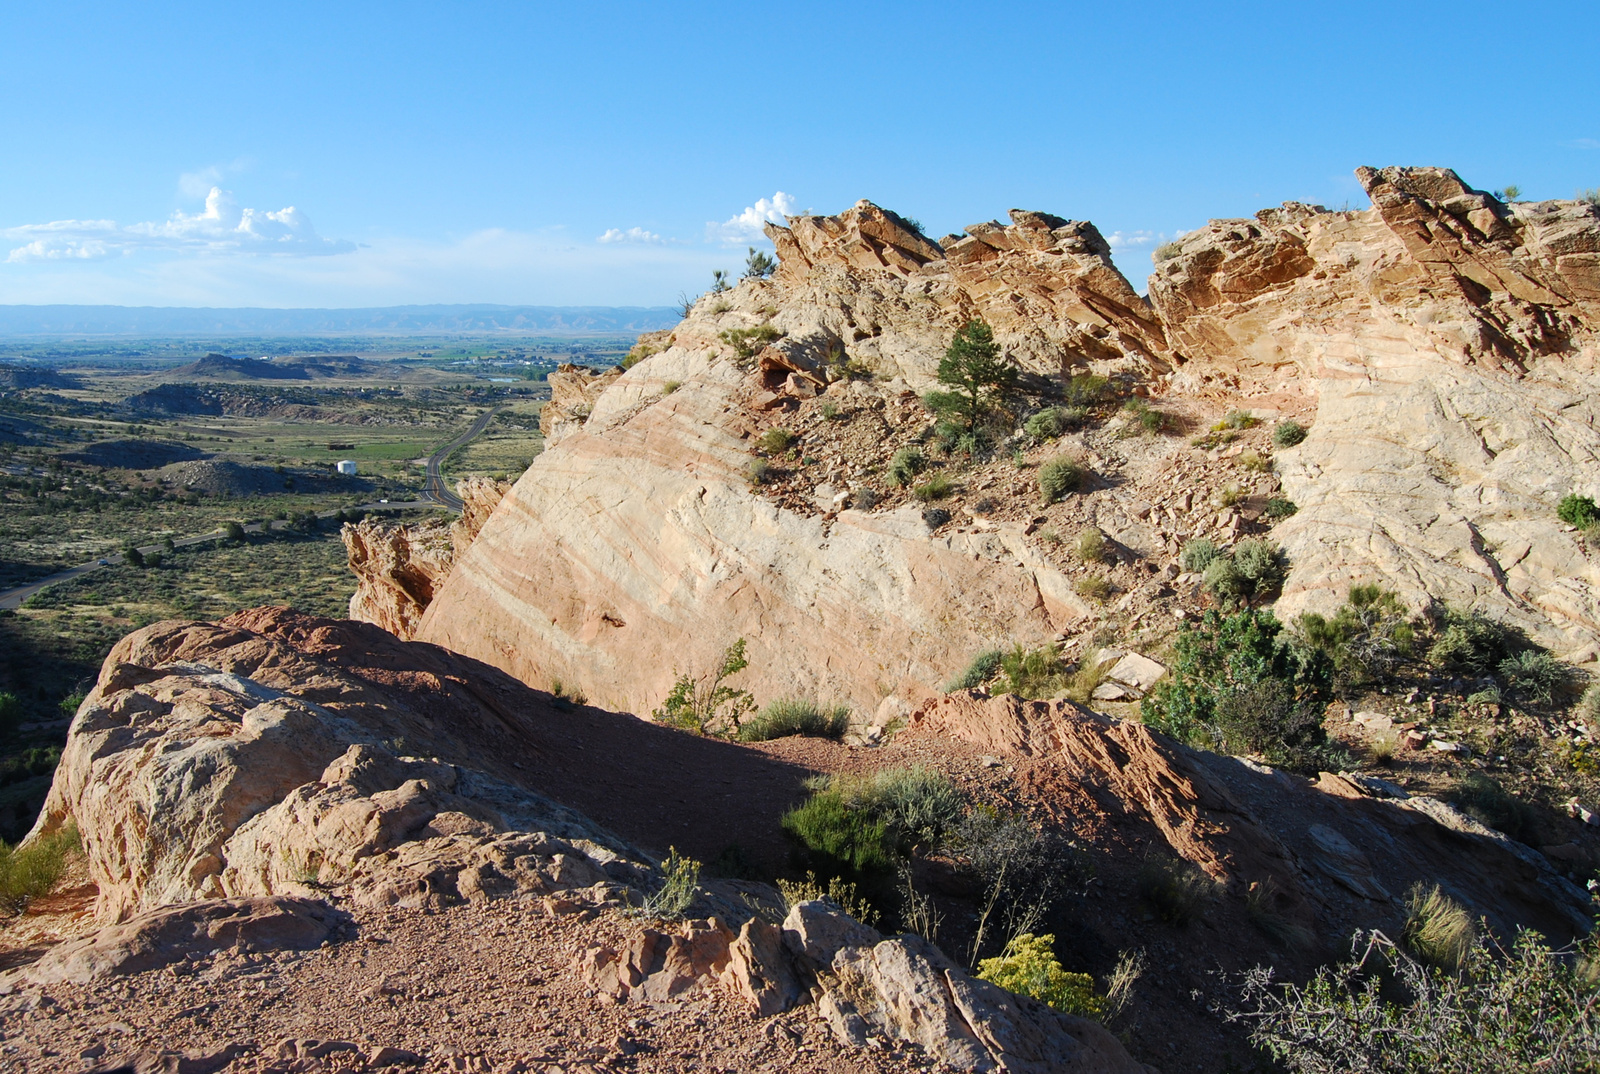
(981,377)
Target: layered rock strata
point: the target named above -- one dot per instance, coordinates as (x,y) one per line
(1447,339)
(1450,341)
(227,777)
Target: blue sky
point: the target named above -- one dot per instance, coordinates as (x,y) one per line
(377,154)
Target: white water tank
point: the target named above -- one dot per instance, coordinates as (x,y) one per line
(347,466)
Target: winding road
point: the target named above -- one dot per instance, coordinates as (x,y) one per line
(435,493)
(435,489)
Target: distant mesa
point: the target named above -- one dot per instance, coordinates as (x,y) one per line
(224,477)
(135,454)
(22,376)
(222,367)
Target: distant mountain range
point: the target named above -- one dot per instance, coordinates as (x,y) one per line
(381,320)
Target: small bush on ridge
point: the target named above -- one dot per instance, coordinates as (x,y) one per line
(906,464)
(1579,511)
(796,716)
(1288,433)
(982,668)
(1058,477)
(1028,967)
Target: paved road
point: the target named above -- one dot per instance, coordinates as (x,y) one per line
(11,598)
(435,488)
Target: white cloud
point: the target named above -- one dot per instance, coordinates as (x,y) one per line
(747,225)
(1585,143)
(1130,240)
(222,227)
(633,234)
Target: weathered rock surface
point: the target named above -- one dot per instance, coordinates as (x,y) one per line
(256,769)
(399,568)
(1244,824)
(1449,339)
(1451,342)
(573,392)
(174,934)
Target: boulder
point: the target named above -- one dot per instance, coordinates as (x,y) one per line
(177,933)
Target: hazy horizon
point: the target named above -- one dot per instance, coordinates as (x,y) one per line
(363,155)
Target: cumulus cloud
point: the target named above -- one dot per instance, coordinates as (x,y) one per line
(1130,240)
(222,227)
(747,225)
(633,234)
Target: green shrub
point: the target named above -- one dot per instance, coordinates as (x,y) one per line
(1092,546)
(796,716)
(1252,460)
(906,464)
(708,706)
(838,841)
(1166,252)
(1058,477)
(1238,419)
(1086,390)
(32,869)
(233,531)
(983,667)
(1092,586)
(1527,1009)
(1288,433)
(680,882)
(1241,684)
(842,894)
(917,805)
(1144,418)
(1034,673)
(1046,424)
(1537,675)
(760,470)
(1486,801)
(1254,569)
(1279,508)
(1366,639)
(1029,968)
(747,341)
(936,487)
(1198,554)
(1177,890)
(1474,644)
(1579,511)
(774,441)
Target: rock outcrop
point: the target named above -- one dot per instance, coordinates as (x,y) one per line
(227,777)
(400,567)
(174,934)
(573,391)
(1450,341)
(634,549)
(1314,844)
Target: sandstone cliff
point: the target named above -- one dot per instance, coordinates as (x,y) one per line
(1442,342)
(1450,342)
(399,568)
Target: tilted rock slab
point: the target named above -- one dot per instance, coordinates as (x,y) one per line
(1244,823)
(399,568)
(634,549)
